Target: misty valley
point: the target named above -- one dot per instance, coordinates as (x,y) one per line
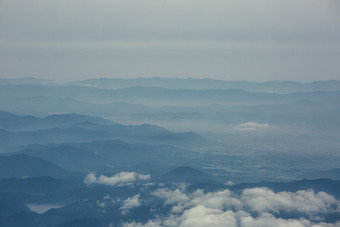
(169,152)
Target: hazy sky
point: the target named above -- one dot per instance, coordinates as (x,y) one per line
(252,40)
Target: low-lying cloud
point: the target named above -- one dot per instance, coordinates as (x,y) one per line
(251,126)
(250,208)
(264,200)
(129,203)
(120,179)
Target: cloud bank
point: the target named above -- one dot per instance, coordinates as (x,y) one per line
(120,179)
(250,208)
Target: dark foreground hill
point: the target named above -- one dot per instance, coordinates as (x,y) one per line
(23,166)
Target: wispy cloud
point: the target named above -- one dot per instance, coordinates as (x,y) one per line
(251,126)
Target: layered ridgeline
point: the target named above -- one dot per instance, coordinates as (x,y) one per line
(126,153)
(204,84)
(83,143)
(200,105)
(159,95)
(17,131)
(121,182)
(189,83)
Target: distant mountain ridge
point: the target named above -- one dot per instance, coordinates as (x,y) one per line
(18,122)
(25,80)
(203,84)
(151,96)
(19,131)
(187,83)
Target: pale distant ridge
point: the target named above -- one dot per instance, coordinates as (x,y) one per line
(202,84)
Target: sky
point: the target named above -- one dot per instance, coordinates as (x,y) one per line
(230,40)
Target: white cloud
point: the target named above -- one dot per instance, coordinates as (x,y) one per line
(229,183)
(251,126)
(107,201)
(256,207)
(268,220)
(265,200)
(120,179)
(150,223)
(172,197)
(203,216)
(130,202)
(214,200)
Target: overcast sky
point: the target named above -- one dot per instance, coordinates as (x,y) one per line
(255,40)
